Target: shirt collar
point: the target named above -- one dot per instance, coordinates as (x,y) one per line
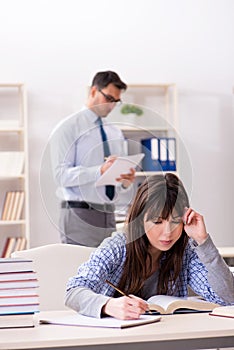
(93,117)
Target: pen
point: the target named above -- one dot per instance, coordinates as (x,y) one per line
(122,293)
(114,287)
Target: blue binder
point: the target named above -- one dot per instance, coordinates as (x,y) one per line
(163,153)
(150,147)
(171,146)
(160,154)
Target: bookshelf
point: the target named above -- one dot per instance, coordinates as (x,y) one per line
(14,183)
(159,120)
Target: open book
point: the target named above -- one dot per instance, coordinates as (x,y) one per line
(224,311)
(107,322)
(165,304)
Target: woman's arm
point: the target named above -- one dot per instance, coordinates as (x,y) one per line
(219,276)
(209,275)
(85,301)
(89,294)
(213,280)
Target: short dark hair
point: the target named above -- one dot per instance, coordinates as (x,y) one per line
(102,79)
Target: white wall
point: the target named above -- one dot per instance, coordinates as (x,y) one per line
(55,47)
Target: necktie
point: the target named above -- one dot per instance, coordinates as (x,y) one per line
(110,190)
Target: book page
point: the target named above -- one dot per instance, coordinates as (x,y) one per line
(121,165)
(164,301)
(108,322)
(224,311)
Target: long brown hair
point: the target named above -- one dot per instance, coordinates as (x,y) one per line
(158,196)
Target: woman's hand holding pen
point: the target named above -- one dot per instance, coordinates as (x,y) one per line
(194,225)
(125,308)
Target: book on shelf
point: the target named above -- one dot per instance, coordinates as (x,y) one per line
(23,243)
(9,206)
(13,205)
(165,304)
(4,249)
(107,322)
(223,311)
(17,320)
(17,244)
(20,206)
(8,247)
(13,244)
(6,205)
(12,164)
(15,265)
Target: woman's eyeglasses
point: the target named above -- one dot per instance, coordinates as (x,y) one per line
(110,98)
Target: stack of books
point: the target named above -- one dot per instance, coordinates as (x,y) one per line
(19,300)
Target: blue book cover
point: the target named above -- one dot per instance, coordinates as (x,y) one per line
(150,147)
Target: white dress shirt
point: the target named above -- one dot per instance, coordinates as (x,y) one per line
(77,155)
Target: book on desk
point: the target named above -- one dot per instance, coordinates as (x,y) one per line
(19,300)
(223,311)
(165,304)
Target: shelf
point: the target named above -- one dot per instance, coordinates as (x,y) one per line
(14,180)
(144,86)
(143,128)
(10,126)
(8,85)
(4,178)
(12,222)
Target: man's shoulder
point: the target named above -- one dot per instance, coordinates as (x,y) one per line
(114,128)
(77,121)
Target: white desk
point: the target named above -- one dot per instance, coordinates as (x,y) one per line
(226,252)
(175,332)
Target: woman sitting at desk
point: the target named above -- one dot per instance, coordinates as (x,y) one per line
(165,249)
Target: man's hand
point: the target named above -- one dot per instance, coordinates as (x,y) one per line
(127,179)
(109,161)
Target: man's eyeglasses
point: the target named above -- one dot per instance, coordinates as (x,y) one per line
(110,98)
